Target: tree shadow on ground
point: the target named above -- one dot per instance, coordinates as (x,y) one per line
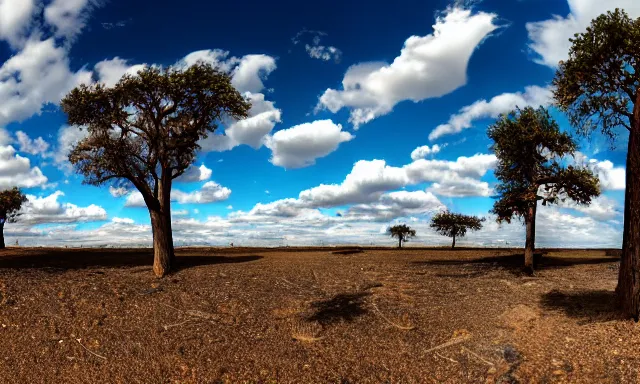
(341,307)
(514,263)
(66,259)
(589,306)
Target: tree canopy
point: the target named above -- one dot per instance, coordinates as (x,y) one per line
(597,86)
(148,125)
(145,131)
(11,201)
(455,225)
(531,149)
(402,232)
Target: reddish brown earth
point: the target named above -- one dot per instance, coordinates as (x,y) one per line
(312,316)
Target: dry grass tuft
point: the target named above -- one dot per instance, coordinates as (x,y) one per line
(307,332)
(405,319)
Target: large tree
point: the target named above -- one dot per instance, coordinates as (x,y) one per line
(531,149)
(598,87)
(145,131)
(402,232)
(455,224)
(11,201)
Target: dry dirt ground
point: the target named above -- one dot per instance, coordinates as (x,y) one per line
(328,315)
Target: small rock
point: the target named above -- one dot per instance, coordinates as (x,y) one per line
(558,372)
(511,355)
(519,316)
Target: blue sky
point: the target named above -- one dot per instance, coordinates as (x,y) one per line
(364,114)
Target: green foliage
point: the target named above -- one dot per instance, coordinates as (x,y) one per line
(529,147)
(455,224)
(402,232)
(11,201)
(146,128)
(597,85)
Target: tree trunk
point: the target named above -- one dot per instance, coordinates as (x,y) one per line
(453,244)
(628,290)
(163,252)
(529,245)
(166,209)
(2,246)
(400,242)
(162,247)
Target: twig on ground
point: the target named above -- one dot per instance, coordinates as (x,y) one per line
(168,306)
(404,328)
(305,338)
(166,327)
(202,315)
(90,351)
(288,282)
(454,341)
(315,276)
(151,291)
(477,356)
(446,358)
(195,313)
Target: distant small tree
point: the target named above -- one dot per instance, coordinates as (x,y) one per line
(530,147)
(455,224)
(145,131)
(11,201)
(402,232)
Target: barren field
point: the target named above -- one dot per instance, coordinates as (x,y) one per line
(333,315)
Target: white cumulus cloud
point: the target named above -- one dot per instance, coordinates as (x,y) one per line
(16,170)
(549,39)
(611,177)
(533,96)
(42,210)
(324,53)
(15,17)
(428,66)
(395,204)
(425,150)
(368,180)
(111,71)
(210,192)
(36,75)
(68,137)
(68,17)
(31,146)
(303,144)
(195,173)
(118,191)
(247,75)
